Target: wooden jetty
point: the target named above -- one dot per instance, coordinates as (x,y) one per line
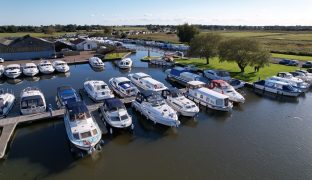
(9,124)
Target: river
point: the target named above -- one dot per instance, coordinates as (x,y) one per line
(265,138)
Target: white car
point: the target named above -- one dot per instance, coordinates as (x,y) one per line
(1,60)
(217,75)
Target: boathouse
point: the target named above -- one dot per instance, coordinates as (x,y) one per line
(26,47)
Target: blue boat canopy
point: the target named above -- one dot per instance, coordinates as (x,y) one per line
(77,108)
(113,103)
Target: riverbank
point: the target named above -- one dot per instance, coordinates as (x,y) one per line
(116,56)
(249,76)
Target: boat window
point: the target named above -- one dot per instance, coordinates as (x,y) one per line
(76,136)
(80,116)
(94,131)
(29,102)
(155,100)
(178,105)
(115,118)
(201,96)
(124,117)
(85,135)
(219,102)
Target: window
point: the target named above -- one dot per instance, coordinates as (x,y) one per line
(201,96)
(76,136)
(85,135)
(94,131)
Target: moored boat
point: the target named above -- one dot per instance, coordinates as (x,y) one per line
(97,90)
(123,87)
(115,115)
(197,92)
(60,66)
(45,67)
(81,128)
(96,63)
(12,71)
(176,99)
(124,63)
(223,87)
(30,69)
(277,87)
(6,103)
(32,101)
(146,82)
(154,108)
(182,75)
(65,95)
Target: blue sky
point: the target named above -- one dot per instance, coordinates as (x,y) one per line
(122,12)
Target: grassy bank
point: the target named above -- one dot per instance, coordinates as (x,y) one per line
(249,75)
(295,42)
(286,56)
(114,56)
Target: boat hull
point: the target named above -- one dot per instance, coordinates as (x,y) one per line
(276,91)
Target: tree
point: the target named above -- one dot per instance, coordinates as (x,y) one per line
(205,45)
(244,52)
(107,30)
(49,30)
(186,32)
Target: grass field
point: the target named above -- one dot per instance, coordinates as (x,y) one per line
(286,56)
(249,75)
(113,56)
(282,42)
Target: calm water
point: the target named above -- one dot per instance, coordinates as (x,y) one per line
(265,138)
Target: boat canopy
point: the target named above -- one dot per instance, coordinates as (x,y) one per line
(78,110)
(113,104)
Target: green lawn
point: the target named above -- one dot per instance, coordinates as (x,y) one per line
(249,75)
(113,56)
(295,57)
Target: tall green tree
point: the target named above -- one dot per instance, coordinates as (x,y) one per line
(186,32)
(245,52)
(205,45)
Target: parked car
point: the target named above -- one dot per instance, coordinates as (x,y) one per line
(1,60)
(217,75)
(307,64)
(309,70)
(284,61)
(293,63)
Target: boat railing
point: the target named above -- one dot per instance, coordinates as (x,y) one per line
(31,89)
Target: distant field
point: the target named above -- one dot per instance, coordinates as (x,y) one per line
(286,56)
(282,42)
(130,28)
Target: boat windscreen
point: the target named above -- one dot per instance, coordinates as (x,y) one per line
(155,100)
(33,101)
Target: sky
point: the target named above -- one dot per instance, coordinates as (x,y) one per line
(164,12)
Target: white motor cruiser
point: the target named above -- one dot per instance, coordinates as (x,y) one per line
(295,82)
(197,92)
(32,101)
(223,87)
(60,66)
(96,63)
(180,103)
(154,108)
(115,115)
(6,103)
(81,128)
(125,63)
(277,87)
(45,67)
(123,87)
(1,70)
(12,71)
(30,69)
(146,82)
(97,90)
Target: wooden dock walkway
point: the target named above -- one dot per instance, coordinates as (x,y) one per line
(9,124)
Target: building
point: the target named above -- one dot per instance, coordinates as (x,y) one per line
(26,47)
(85,44)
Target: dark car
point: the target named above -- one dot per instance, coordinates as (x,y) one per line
(307,64)
(284,62)
(293,63)
(309,70)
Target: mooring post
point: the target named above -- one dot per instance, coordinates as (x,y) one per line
(50,110)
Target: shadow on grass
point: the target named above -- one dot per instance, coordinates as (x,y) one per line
(244,76)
